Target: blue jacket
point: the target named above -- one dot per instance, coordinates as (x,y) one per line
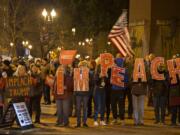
(120,63)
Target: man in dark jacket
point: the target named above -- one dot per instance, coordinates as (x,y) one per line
(118,95)
(159,93)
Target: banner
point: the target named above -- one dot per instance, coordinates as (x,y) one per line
(60,81)
(117,76)
(139,70)
(81,79)
(174,69)
(106,61)
(67,56)
(155,63)
(18,86)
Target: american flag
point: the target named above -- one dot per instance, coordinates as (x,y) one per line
(119,36)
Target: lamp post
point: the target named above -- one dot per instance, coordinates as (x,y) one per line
(49,16)
(11,49)
(46,29)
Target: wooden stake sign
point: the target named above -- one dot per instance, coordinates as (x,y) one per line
(139,70)
(60,81)
(117,76)
(174,69)
(106,61)
(155,63)
(81,79)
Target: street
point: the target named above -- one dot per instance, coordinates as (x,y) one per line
(48,126)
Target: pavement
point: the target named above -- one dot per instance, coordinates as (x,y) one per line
(48,126)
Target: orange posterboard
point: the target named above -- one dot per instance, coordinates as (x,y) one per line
(60,80)
(155,63)
(139,70)
(81,79)
(117,78)
(67,56)
(174,69)
(106,61)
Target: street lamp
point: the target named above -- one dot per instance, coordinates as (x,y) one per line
(87,40)
(53,13)
(30,47)
(109,43)
(44,13)
(49,16)
(79,43)
(25,43)
(11,44)
(73,30)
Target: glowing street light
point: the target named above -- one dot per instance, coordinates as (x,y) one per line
(53,13)
(11,44)
(44,13)
(87,40)
(79,43)
(83,43)
(73,31)
(109,43)
(30,47)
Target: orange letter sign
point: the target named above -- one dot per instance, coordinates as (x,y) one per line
(174,69)
(106,61)
(60,81)
(139,70)
(117,77)
(155,63)
(81,79)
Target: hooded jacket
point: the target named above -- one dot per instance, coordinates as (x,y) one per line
(120,63)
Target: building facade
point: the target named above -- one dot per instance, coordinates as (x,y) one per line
(155,27)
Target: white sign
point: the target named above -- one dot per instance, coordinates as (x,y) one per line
(22,114)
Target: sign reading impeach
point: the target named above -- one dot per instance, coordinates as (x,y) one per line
(18,86)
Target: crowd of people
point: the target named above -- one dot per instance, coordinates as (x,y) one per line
(101,97)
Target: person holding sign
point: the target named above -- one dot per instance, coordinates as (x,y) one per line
(139,90)
(174,89)
(119,79)
(81,90)
(99,97)
(159,89)
(35,93)
(63,91)
(21,72)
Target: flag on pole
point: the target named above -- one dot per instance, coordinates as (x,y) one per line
(119,36)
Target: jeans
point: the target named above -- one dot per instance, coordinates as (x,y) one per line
(47,98)
(90,101)
(63,108)
(99,103)
(118,98)
(35,103)
(175,113)
(81,100)
(108,102)
(138,108)
(130,106)
(159,108)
